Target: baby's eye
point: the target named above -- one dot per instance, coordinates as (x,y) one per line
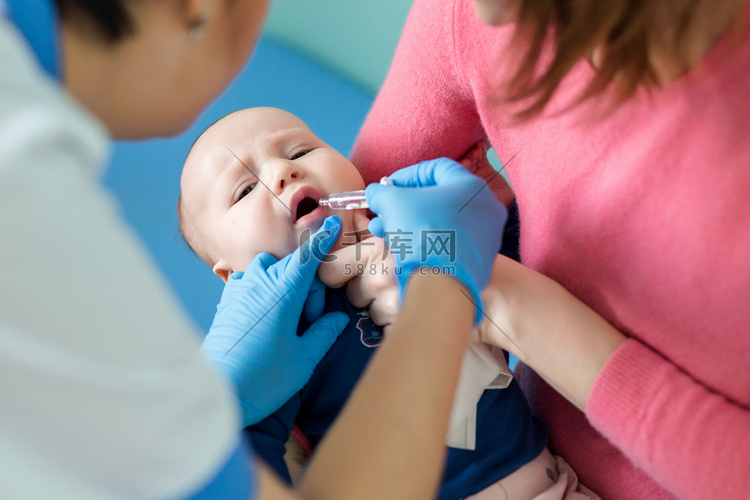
(300,154)
(247,190)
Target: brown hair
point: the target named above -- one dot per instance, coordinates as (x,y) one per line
(623,32)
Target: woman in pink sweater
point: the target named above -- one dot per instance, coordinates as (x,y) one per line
(631,313)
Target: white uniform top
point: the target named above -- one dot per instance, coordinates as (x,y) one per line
(104,391)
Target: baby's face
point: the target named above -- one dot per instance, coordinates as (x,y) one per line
(252,182)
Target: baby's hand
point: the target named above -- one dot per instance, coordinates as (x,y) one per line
(477,163)
(367,269)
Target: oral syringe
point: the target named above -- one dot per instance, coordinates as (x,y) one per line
(349,200)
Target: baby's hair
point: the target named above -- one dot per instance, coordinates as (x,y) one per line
(183,222)
(182,218)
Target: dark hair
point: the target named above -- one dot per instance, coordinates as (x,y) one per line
(622,30)
(109,19)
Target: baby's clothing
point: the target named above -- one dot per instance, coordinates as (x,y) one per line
(547,477)
(508,436)
(480,370)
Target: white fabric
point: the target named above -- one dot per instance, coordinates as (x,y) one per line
(481,370)
(104,391)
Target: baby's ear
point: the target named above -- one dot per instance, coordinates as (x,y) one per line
(222,270)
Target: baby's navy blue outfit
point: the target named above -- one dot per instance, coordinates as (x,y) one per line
(508,436)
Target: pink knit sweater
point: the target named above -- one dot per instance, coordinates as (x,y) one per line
(644,214)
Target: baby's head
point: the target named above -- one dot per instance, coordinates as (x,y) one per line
(251,184)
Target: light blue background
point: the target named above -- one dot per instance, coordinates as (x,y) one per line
(354,38)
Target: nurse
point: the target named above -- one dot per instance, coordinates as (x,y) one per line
(105,393)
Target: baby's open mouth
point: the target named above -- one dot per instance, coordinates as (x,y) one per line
(305,206)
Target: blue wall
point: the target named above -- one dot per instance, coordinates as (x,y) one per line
(354,38)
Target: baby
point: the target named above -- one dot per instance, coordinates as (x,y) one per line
(250,184)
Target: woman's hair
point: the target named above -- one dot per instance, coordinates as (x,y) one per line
(621,31)
(107,19)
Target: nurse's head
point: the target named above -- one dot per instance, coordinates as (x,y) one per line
(148,68)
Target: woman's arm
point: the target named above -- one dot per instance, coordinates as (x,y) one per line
(547,328)
(687,437)
(423,110)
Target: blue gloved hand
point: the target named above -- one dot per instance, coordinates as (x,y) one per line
(253,340)
(439,215)
(316,301)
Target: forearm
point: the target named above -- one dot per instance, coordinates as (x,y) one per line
(388,441)
(547,328)
(690,439)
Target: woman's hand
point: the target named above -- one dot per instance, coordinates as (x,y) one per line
(253,340)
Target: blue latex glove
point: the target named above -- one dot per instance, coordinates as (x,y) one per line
(253,340)
(316,301)
(439,199)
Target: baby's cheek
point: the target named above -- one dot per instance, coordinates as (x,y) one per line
(289,245)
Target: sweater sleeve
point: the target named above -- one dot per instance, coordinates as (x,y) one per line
(692,440)
(422,111)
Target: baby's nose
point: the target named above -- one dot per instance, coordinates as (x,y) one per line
(286,173)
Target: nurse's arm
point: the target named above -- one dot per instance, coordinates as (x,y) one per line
(389,440)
